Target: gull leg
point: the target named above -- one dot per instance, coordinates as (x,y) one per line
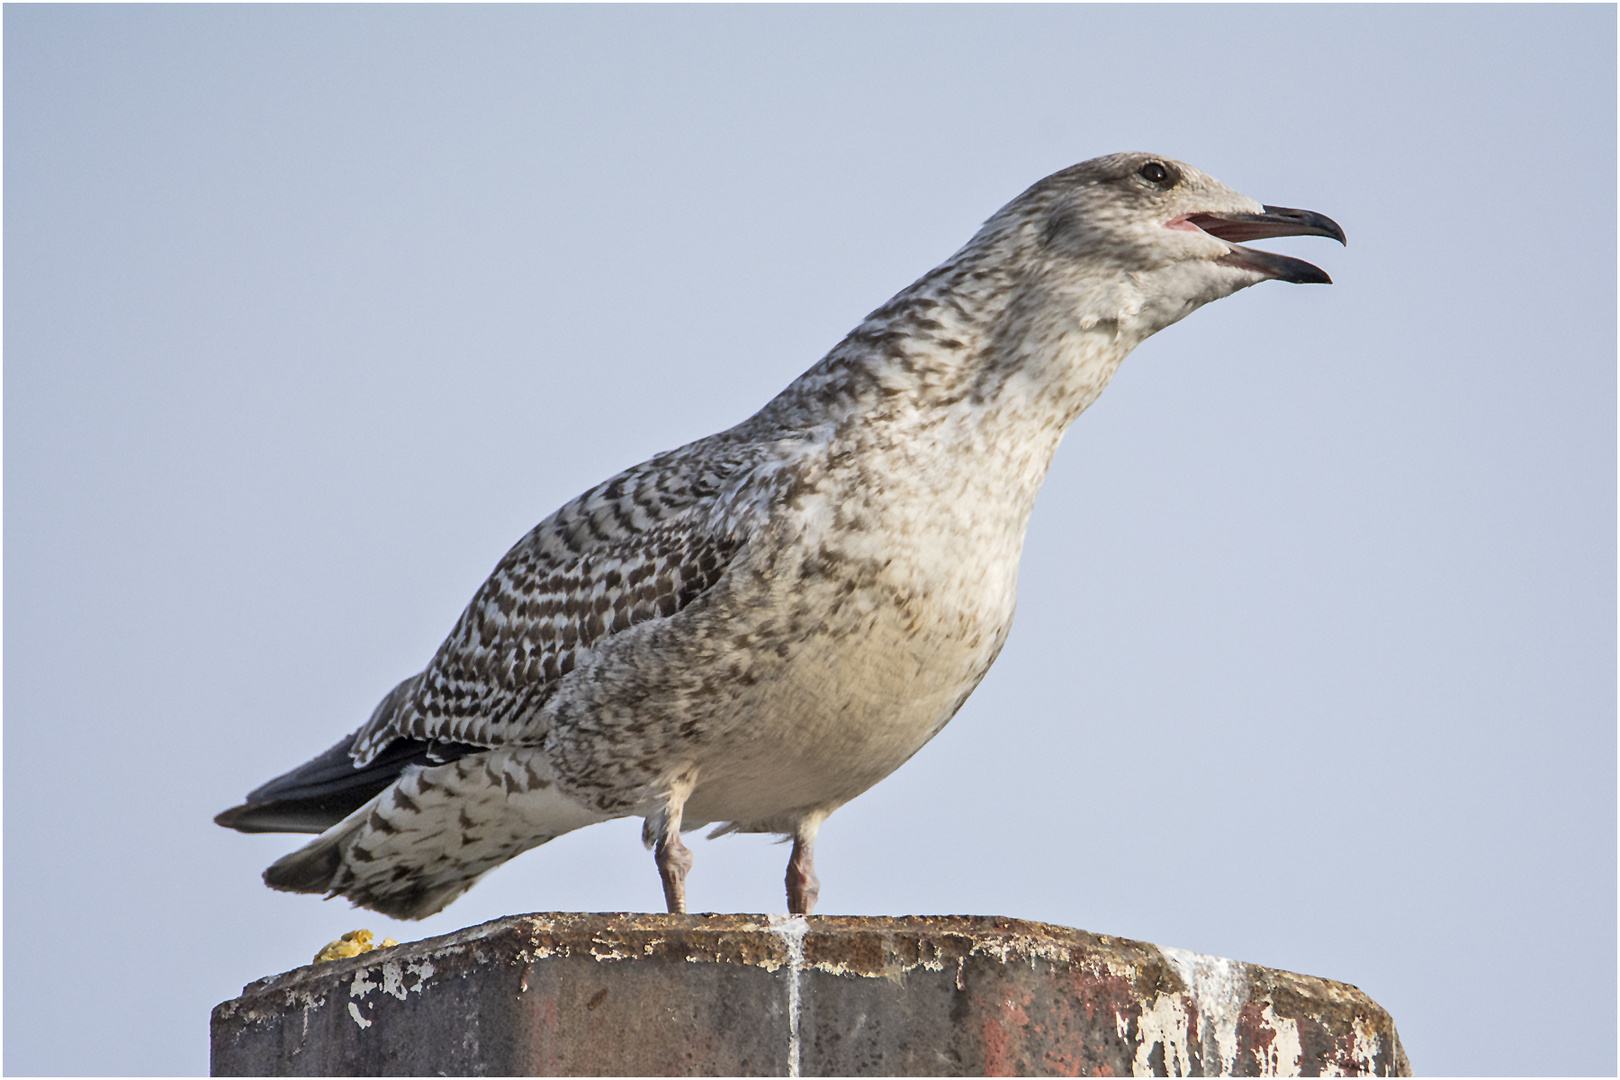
(803,887)
(674,860)
(662,833)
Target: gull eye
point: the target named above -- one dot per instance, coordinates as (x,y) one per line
(1154,173)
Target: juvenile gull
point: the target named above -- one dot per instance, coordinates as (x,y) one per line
(758,626)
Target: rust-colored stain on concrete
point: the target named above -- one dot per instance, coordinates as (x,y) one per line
(754,995)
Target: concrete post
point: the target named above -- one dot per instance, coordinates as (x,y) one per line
(691,995)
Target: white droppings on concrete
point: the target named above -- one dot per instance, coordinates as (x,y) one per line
(392,984)
(362,984)
(605,950)
(792,929)
(396,976)
(1365,1044)
(1219,988)
(1164,1024)
(1281,1058)
(306,998)
(398,980)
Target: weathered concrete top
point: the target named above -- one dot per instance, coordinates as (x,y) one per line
(569,994)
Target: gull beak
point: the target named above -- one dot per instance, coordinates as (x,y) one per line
(1276,221)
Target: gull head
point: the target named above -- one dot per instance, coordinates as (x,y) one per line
(1142,240)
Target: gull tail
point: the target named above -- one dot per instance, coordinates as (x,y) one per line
(429,835)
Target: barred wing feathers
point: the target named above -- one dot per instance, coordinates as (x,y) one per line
(641,546)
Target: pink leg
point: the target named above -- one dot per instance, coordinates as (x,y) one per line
(803,887)
(662,833)
(674,860)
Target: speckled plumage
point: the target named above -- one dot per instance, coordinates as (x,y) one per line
(756,627)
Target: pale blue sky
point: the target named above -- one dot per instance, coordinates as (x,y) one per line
(311,312)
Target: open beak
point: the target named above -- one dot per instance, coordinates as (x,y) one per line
(1276,221)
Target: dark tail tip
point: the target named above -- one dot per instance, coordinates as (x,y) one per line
(310,869)
(230,818)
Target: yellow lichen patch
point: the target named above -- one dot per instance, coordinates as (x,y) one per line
(353,943)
